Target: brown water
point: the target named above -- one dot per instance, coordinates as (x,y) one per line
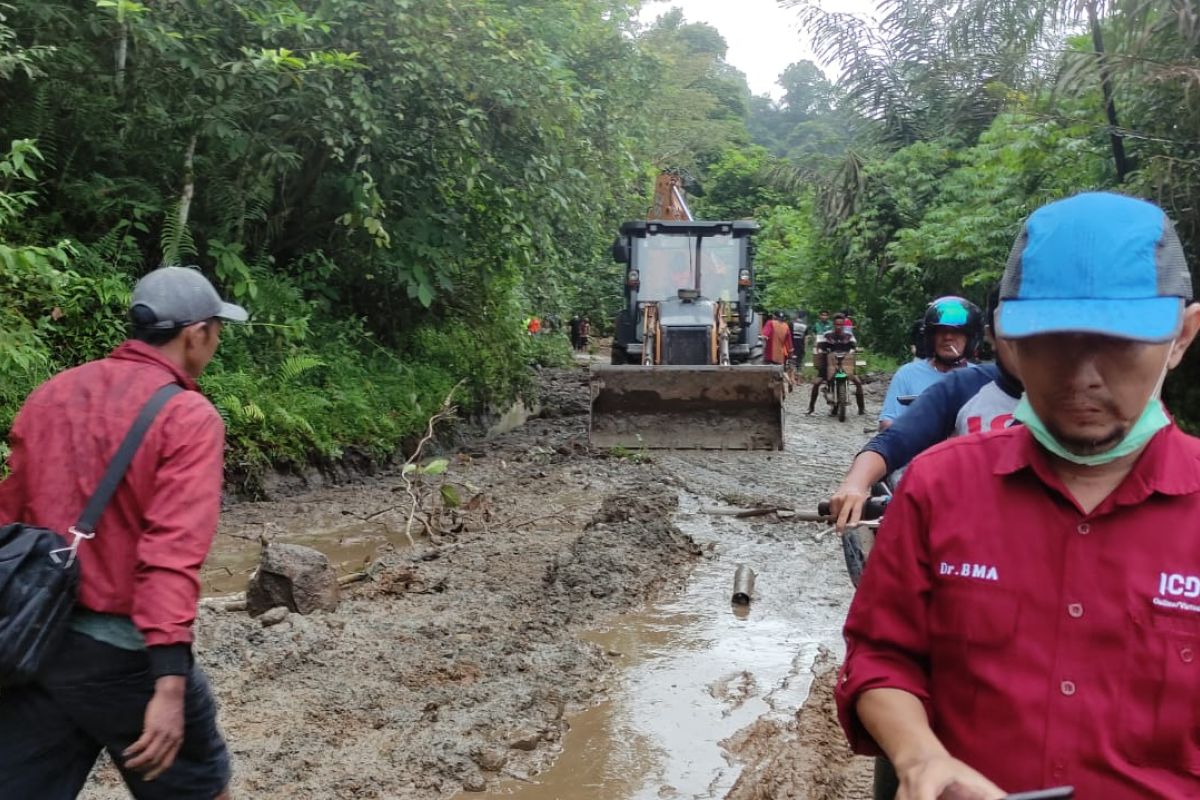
(695,670)
(349,548)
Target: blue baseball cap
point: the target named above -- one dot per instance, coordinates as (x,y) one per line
(1099,263)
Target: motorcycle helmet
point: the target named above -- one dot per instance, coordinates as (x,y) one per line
(954,312)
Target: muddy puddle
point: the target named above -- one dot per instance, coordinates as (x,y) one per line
(349,548)
(695,670)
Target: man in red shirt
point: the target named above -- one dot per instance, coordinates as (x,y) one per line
(1030,615)
(124,680)
(777,339)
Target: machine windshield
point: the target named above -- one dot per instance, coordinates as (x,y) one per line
(667,263)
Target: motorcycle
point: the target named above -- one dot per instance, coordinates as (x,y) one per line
(857,541)
(838,381)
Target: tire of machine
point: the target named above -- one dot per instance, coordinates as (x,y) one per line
(841,400)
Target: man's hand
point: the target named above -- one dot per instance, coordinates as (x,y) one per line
(162,731)
(942,777)
(847,503)
(899,725)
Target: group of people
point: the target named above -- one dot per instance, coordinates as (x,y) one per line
(947,338)
(1030,613)
(784,344)
(581,331)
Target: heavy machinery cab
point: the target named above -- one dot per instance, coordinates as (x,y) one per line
(682,269)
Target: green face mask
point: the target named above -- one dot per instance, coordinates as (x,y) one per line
(1153,419)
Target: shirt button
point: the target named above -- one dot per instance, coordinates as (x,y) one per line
(1186,654)
(1084,529)
(1075,610)
(1067,688)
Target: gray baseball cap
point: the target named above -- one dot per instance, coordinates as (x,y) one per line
(180,296)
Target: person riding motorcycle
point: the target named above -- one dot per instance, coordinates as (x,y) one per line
(953,331)
(980,397)
(837,340)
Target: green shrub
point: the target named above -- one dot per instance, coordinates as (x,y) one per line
(549,350)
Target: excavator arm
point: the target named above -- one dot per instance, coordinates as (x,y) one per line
(669,201)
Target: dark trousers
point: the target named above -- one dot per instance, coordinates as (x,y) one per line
(92,696)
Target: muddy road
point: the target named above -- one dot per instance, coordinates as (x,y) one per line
(560,627)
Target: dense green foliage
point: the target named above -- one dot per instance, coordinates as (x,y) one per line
(392,186)
(951,122)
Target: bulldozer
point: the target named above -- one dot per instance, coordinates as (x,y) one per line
(683,372)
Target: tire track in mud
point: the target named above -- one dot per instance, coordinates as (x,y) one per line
(796,749)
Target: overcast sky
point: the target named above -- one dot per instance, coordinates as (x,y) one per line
(763,38)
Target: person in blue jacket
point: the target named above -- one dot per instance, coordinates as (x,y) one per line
(976,398)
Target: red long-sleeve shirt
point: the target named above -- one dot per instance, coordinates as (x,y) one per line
(1049,646)
(151,540)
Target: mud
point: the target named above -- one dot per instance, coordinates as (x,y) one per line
(804,758)
(522,616)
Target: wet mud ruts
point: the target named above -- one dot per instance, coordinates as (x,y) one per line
(459,661)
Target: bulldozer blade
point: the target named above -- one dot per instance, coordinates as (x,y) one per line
(687,407)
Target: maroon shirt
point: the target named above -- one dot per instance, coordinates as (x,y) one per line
(1049,646)
(151,540)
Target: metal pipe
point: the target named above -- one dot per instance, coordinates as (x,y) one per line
(743,585)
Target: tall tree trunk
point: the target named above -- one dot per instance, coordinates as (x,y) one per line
(189,183)
(1110,104)
(121,57)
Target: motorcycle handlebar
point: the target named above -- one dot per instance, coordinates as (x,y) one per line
(872,509)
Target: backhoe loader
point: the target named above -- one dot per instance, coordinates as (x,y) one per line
(683,372)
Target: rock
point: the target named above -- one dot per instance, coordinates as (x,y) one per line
(273,617)
(491,758)
(524,739)
(299,578)
(474,782)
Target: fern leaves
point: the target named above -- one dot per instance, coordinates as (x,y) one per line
(295,366)
(177,239)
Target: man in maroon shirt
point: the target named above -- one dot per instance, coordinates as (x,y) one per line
(1030,615)
(124,679)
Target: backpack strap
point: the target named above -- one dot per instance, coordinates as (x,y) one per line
(85,526)
(120,462)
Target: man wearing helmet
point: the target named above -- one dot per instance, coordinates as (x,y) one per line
(981,397)
(953,329)
(838,340)
(1029,615)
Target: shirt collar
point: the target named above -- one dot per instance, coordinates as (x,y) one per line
(1168,465)
(133,350)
